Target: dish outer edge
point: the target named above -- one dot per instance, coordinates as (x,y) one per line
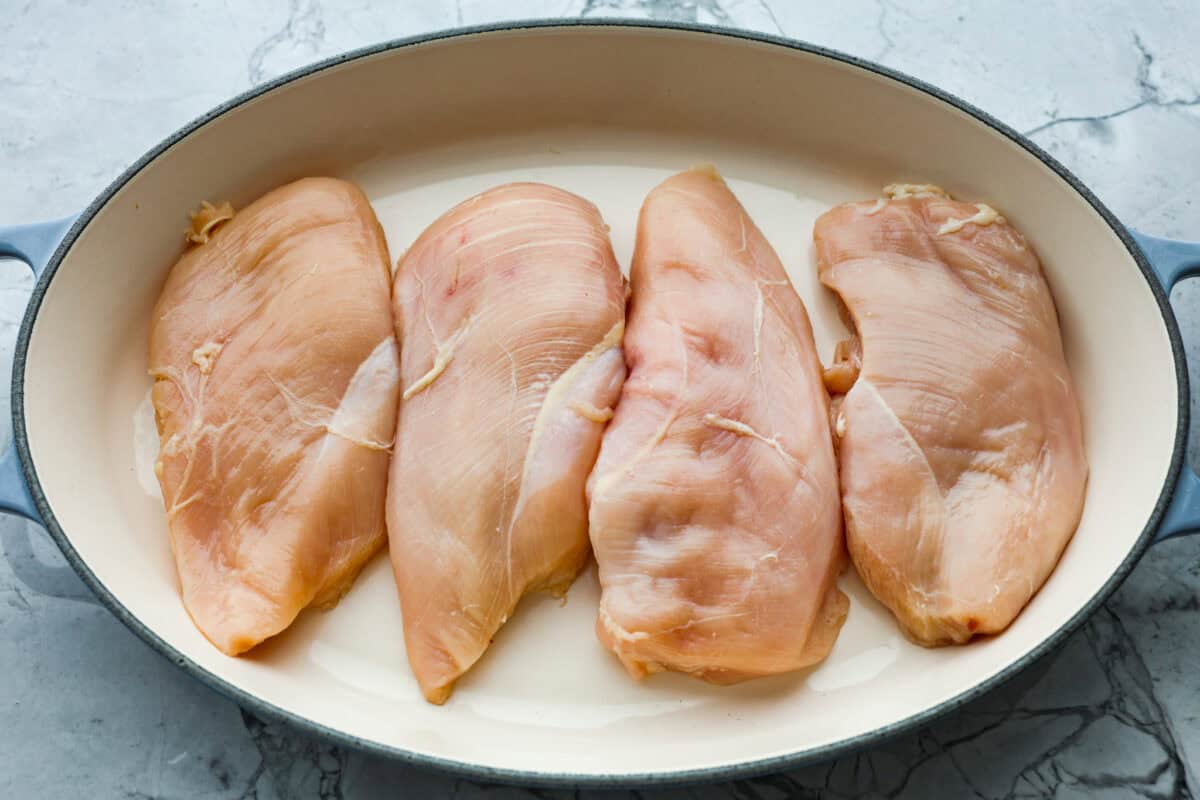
(554,779)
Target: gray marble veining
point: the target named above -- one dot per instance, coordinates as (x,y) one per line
(1114,92)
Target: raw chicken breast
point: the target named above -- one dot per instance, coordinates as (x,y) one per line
(714,503)
(511,310)
(276,381)
(962,461)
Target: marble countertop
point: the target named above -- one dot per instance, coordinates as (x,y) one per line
(86,709)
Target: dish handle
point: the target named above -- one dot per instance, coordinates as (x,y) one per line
(1172,261)
(35,245)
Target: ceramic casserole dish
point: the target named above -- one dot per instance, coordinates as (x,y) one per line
(605,110)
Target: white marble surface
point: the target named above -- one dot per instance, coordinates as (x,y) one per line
(87,710)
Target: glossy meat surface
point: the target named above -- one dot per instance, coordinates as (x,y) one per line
(962,462)
(715,516)
(276,381)
(511,311)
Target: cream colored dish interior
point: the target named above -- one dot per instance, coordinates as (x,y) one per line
(605,113)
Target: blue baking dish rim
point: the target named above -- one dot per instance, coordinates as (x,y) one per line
(553,779)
